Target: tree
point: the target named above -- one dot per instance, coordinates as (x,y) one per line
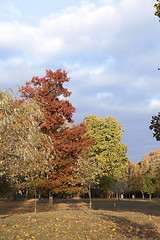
(33,146)
(149,186)
(157,7)
(151,161)
(87,172)
(51,97)
(68,142)
(108,151)
(135,178)
(157,179)
(149,167)
(155,126)
(8,140)
(25,149)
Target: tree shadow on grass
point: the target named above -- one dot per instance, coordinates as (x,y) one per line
(27,206)
(14,207)
(146,207)
(129,229)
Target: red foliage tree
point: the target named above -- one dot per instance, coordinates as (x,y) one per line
(50,94)
(69,142)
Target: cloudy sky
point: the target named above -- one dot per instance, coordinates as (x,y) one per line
(110,49)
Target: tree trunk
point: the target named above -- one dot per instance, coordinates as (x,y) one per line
(150,197)
(90,197)
(35,202)
(26,194)
(39,195)
(129,196)
(115,205)
(116,195)
(78,195)
(113,183)
(50,199)
(142,194)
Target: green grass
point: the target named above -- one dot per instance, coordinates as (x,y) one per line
(70,219)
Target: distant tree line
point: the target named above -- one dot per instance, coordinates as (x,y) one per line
(44,153)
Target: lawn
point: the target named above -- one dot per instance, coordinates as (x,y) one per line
(71,219)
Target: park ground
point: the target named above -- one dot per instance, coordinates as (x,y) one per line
(70,219)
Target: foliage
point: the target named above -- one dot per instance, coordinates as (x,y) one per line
(136,177)
(27,152)
(51,96)
(149,185)
(150,170)
(69,144)
(155,126)
(151,161)
(157,180)
(8,141)
(87,172)
(157,7)
(108,151)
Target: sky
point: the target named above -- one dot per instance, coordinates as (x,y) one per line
(110,49)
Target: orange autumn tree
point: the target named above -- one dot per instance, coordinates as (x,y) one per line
(69,141)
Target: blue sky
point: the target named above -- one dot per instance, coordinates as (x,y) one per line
(110,49)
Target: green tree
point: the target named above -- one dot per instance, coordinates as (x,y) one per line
(108,150)
(150,169)
(149,186)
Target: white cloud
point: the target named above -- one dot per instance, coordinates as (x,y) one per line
(17,37)
(155,104)
(50,47)
(77,32)
(82,28)
(9,10)
(13,10)
(101,41)
(104,95)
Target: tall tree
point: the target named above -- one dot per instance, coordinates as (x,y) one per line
(108,151)
(8,139)
(34,146)
(68,141)
(25,149)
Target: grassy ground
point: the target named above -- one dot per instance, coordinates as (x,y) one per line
(70,219)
